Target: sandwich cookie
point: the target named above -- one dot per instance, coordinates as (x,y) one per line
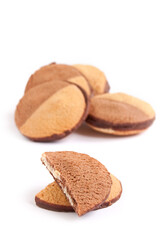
(96,78)
(53,198)
(84,180)
(61,72)
(119,114)
(51,110)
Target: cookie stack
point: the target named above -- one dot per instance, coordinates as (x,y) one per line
(58,98)
(81,184)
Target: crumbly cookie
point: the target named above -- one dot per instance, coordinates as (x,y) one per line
(84,180)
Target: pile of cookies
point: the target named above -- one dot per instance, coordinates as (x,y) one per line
(81,184)
(58,98)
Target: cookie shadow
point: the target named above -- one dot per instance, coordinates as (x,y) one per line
(85,130)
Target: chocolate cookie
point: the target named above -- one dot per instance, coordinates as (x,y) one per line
(61,72)
(51,110)
(53,198)
(119,114)
(84,180)
(96,78)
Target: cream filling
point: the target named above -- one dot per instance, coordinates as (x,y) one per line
(56,174)
(67,194)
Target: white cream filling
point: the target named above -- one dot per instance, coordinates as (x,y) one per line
(67,194)
(56,175)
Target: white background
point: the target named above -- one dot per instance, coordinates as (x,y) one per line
(122,38)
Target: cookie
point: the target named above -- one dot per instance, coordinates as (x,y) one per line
(119,114)
(61,72)
(84,180)
(96,78)
(51,110)
(53,198)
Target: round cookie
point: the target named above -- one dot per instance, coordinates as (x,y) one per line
(51,110)
(84,180)
(61,72)
(53,198)
(96,78)
(119,114)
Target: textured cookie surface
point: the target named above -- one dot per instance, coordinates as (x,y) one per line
(96,78)
(115,193)
(56,72)
(84,180)
(53,198)
(119,114)
(51,110)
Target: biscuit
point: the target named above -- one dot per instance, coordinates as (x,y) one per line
(96,78)
(119,114)
(53,198)
(84,180)
(51,110)
(61,72)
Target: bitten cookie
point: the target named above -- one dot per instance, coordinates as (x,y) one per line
(96,78)
(51,110)
(56,72)
(53,198)
(119,114)
(84,180)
